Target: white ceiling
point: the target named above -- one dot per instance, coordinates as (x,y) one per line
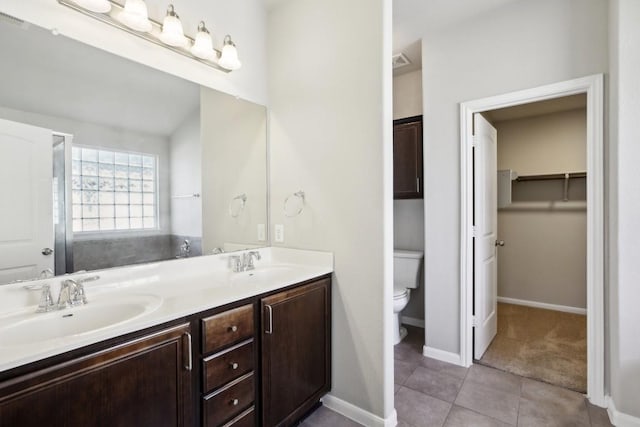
(57,76)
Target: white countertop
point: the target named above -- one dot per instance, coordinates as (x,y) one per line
(178,288)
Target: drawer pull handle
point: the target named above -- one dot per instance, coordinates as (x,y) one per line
(233,365)
(234,402)
(233,328)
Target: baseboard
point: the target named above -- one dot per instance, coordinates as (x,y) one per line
(442,355)
(357,414)
(536,304)
(412,321)
(620,419)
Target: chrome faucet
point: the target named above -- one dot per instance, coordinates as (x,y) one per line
(185,249)
(72,292)
(239,263)
(247,259)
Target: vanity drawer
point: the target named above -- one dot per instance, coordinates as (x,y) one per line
(223,367)
(223,405)
(227,328)
(245,419)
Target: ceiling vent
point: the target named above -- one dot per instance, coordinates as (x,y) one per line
(400,60)
(13,21)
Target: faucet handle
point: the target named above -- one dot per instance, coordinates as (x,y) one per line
(46,300)
(79,297)
(235,263)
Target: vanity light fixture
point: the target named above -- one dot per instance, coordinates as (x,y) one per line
(135,16)
(203,44)
(172,32)
(132,17)
(98,6)
(229,57)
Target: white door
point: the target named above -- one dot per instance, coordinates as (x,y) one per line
(486,229)
(26,221)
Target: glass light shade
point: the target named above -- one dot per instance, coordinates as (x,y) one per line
(135,16)
(203,45)
(98,6)
(172,32)
(229,57)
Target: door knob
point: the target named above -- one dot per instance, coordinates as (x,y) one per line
(499,242)
(47,251)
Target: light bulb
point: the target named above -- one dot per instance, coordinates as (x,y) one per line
(203,45)
(172,32)
(97,6)
(229,57)
(135,16)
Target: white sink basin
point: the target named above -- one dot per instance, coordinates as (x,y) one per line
(31,328)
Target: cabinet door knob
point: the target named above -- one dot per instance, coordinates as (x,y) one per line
(233,365)
(234,402)
(233,328)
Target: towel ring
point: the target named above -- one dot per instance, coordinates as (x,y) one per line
(237,204)
(294,204)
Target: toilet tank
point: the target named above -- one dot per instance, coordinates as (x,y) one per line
(406,268)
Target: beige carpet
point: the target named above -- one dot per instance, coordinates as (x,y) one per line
(545,345)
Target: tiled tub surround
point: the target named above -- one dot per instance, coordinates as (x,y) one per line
(184,286)
(92,254)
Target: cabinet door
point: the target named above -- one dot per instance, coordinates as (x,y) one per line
(143,382)
(296,358)
(407,158)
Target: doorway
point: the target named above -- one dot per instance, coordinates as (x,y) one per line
(540,242)
(479,307)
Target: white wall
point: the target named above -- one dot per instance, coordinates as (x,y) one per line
(234,149)
(545,256)
(624,228)
(185,153)
(550,143)
(243,20)
(330,135)
(408,214)
(407,95)
(109,137)
(517,46)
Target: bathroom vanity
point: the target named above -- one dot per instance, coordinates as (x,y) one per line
(220,349)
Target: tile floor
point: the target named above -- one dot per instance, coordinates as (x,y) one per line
(433,393)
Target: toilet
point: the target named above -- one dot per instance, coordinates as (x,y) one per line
(406,276)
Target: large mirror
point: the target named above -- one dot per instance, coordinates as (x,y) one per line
(106,162)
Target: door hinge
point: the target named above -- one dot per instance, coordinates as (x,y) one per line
(473,231)
(474,322)
(474,141)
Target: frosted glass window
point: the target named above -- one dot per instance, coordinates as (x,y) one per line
(113,190)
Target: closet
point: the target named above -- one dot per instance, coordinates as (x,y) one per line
(541,243)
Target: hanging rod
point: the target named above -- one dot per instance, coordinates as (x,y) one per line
(552,176)
(186,196)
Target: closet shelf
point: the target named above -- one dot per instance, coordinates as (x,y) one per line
(547,176)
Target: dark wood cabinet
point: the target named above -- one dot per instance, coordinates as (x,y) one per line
(296,351)
(143,382)
(214,368)
(407,158)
